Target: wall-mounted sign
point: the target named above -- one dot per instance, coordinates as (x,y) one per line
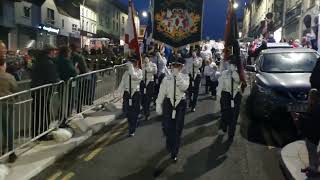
(49,29)
(85,33)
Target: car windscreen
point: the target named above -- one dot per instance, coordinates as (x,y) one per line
(289,62)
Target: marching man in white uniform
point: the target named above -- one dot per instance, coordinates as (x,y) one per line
(130,86)
(171,103)
(194,64)
(149,69)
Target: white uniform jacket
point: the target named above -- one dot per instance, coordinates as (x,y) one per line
(161,63)
(225,82)
(193,66)
(206,55)
(167,90)
(149,70)
(136,77)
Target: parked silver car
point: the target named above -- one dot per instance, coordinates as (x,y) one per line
(280,81)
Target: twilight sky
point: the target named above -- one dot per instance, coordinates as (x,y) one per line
(215,15)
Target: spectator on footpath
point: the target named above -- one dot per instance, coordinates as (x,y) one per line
(78,60)
(81,65)
(8,86)
(66,71)
(44,72)
(314,79)
(308,124)
(65,67)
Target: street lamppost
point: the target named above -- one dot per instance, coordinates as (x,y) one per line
(235,5)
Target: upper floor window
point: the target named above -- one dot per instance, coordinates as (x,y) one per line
(312,3)
(62,23)
(87,13)
(122,19)
(74,27)
(50,16)
(26,12)
(87,26)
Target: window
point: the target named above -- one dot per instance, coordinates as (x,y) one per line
(117,27)
(122,19)
(82,11)
(87,26)
(312,3)
(122,31)
(92,27)
(100,21)
(114,25)
(82,25)
(118,15)
(26,12)
(74,27)
(62,23)
(87,13)
(50,16)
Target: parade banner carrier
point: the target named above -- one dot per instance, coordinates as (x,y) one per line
(178,22)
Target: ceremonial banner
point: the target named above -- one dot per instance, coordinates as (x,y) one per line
(178,22)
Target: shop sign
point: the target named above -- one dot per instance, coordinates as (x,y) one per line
(49,29)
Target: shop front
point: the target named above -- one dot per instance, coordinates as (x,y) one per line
(74,38)
(85,38)
(26,37)
(47,35)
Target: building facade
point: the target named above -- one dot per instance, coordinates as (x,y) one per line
(7,22)
(293,19)
(88,24)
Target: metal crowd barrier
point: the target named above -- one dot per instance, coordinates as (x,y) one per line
(31,114)
(28,115)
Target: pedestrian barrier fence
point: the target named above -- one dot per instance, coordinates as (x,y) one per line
(31,114)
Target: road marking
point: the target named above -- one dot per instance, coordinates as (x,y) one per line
(93,154)
(68,176)
(55,176)
(114,133)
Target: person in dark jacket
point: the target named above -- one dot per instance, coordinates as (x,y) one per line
(78,60)
(64,64)
(66,71)
(314,79)
(308,123)
(43,72)
(90,83)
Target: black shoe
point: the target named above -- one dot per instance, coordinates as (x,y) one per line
(12,158)
(193,109)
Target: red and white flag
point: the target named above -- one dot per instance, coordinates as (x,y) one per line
(131,37)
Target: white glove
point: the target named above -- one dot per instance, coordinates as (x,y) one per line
(158,109)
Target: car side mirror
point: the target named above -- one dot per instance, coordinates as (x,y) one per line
(251,68)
